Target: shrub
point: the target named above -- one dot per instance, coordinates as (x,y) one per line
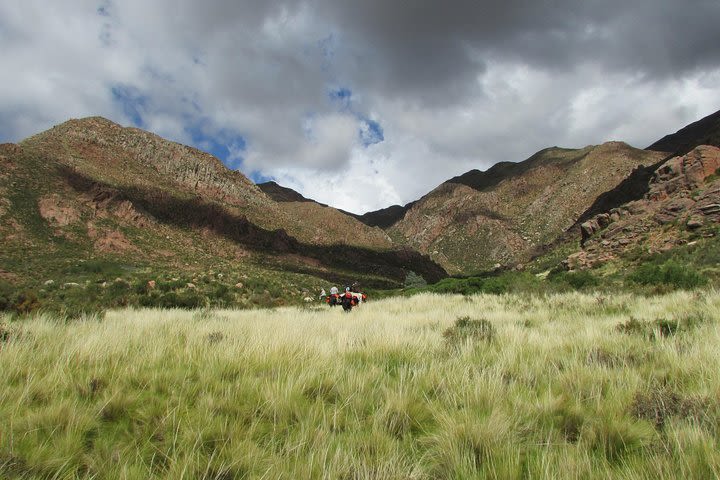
(220,295)
(496,285)
(25,302)
(577,279)
(632,325)
(171,285)
(6,294)
(413,280)
(466,328)
(666,327)
(670,273)
(188,300)
(511,282)
(98,267)
(657,405)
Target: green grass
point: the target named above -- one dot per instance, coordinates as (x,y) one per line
(431,386)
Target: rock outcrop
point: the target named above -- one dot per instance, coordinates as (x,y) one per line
(683,201)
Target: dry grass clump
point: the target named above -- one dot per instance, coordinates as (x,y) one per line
(433,386)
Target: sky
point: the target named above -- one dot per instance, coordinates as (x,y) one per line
(363,104)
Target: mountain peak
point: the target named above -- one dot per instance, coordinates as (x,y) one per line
(283,194)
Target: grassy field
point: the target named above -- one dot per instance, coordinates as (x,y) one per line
(432,386)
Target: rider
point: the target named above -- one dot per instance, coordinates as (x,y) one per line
(333,298)
(348,300)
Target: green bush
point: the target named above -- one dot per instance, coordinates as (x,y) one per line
(220,295)
(413,280)
(466,328)
(171,285)
(6,294)
(578,280)
(188,300)
(665,327)
(25,302)
(101,267)
(496,285)
(670,273)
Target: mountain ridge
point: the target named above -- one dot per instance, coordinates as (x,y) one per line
(89,188)
(705,131)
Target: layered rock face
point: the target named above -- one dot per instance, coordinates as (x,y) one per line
(683,201)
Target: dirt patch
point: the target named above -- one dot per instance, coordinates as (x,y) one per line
(16,231)
(7,276)
(58,211)
(305,261)
(7,151)
(109,241)
(112,242)
(126,211)
(4,205)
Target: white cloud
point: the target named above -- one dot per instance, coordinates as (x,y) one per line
(452,89)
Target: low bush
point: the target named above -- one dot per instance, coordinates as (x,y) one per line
(6,293)
(665,327)
(102,267)
(413,280)
(25,302)
(659,404)
(670,273)
(578,280)
(466,328)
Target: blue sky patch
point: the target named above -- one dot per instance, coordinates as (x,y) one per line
(258,177)
(341,96)
(224,144)
(133,103)
(371,132)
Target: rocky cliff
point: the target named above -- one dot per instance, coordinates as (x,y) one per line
(682,203)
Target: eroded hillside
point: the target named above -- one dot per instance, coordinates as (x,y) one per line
(482,220)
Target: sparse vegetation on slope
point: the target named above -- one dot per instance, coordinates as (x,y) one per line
(501,216)
(433,386)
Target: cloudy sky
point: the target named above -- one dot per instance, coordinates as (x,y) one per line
(363,104)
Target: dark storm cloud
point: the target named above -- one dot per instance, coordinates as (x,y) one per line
(425,44)
(294,88)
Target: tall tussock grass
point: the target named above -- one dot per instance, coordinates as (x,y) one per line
(428,387)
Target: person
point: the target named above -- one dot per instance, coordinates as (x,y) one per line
(332,299)
(347,300)
(322,294)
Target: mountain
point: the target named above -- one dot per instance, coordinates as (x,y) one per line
(385,217)
(382,218)
(122,157)
(90,191)
(283,194)
(481,220)
(705,131)
(682,204)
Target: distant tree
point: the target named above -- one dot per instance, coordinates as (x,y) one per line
(413,280)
